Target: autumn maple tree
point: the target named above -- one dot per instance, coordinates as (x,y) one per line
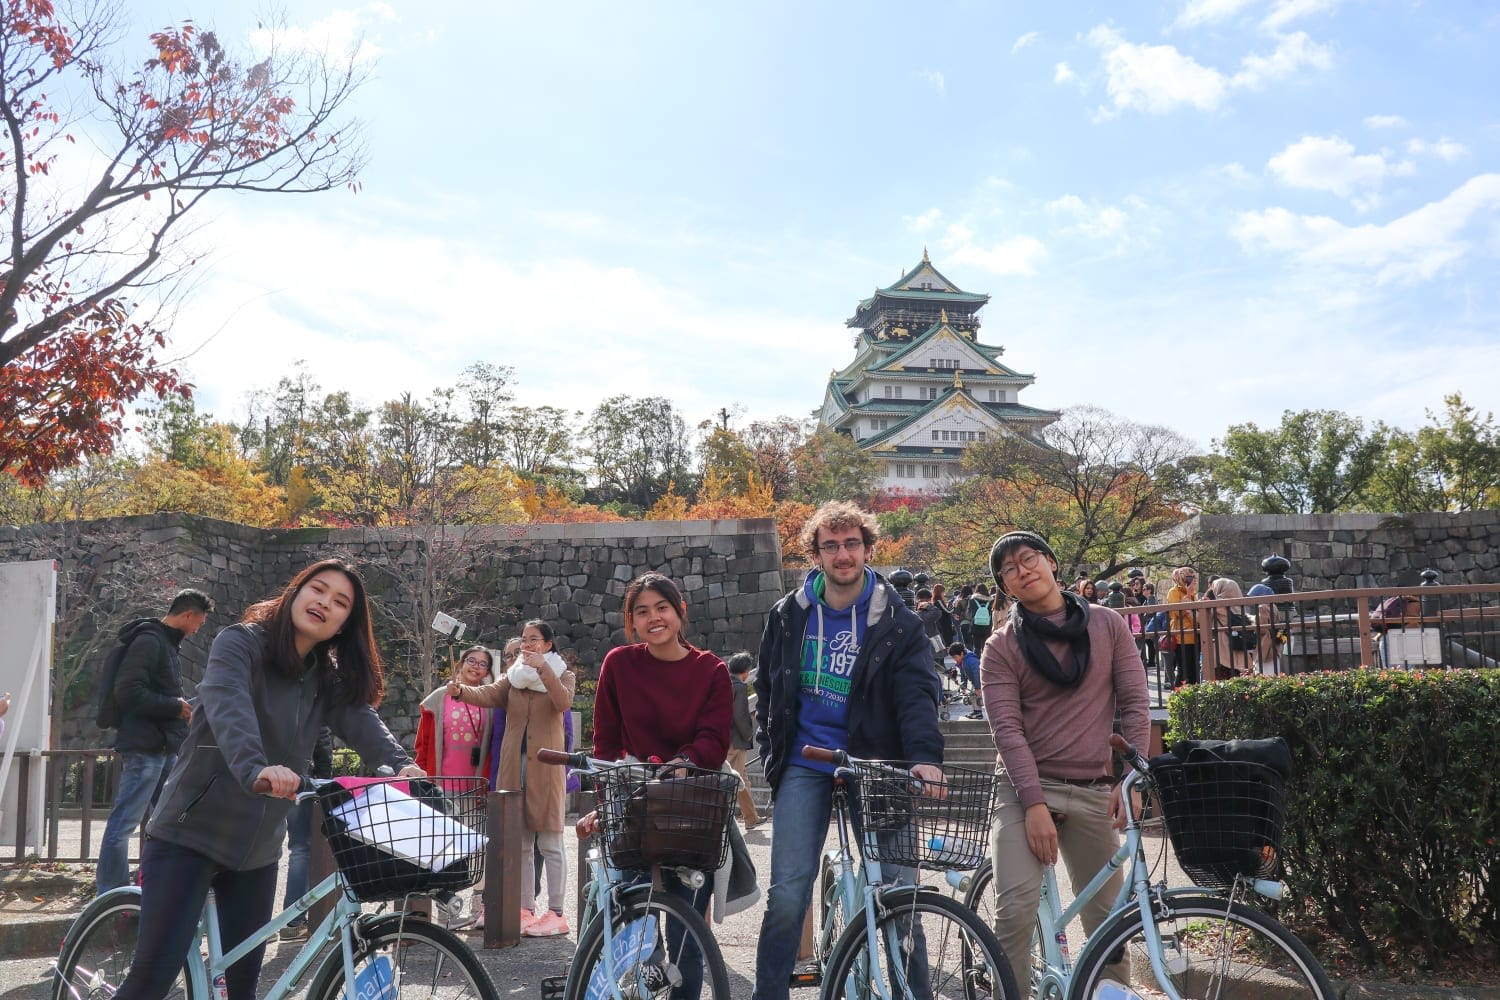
(98,170)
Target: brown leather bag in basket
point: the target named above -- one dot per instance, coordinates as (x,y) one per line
(676,822)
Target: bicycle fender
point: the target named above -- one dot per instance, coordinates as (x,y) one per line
(1130,916)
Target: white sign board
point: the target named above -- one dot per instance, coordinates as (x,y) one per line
(28,606)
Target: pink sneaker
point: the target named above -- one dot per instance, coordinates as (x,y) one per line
(527,920)
(548,924)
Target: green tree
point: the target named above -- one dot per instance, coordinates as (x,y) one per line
(536,441)
(1095,485)
(1453,464)
(638,447)
(830,465)
(485,390)
(773,448)
(1315,462)
(726,458)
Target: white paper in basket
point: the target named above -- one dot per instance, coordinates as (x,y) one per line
(388,818)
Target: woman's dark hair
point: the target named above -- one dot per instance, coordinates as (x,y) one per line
(658,584)
(350,659)
(489,657)
(543,628)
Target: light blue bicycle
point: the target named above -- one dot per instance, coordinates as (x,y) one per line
(375,956)
(1187,943)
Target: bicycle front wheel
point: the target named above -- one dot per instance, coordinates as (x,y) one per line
(401,956)
(659,947)
(1212,949)
(926,946)
(99,948)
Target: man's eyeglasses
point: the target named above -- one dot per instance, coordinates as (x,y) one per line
(1025,559)
(849,545)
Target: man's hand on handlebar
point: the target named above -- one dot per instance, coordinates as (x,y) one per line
(931,776)
(587,825)
(285,783)
(411,771)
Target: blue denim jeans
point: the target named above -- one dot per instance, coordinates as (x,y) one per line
(140,777)
(298,841)
(799,825)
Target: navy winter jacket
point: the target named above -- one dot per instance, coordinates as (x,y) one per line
(893,702)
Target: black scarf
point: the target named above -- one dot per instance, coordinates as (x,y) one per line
(1032,630)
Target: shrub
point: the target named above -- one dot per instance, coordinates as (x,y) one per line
(1392,810)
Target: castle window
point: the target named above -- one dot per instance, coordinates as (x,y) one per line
(981,435)
(930,470)
(934,435)
(904,470)
(995,396)
(893,392)
(930,392)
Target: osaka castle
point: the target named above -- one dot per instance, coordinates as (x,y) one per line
(921,387)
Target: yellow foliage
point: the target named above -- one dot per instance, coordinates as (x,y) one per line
(671,506)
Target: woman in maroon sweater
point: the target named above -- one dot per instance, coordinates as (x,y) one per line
(663,698)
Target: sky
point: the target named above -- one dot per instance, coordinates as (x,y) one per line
(1193,213)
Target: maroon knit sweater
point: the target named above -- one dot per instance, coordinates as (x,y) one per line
(645,707)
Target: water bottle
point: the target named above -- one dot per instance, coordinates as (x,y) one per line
(959,878)
(955,845)
(221,987)
(1061,937)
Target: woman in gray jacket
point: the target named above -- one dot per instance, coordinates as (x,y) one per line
(301,660)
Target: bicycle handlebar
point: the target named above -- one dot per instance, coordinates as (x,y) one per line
(1132,756)
(839,758)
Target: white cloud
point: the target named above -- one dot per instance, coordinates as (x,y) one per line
(1154,78)
(1284,12)
(1412,248)
(1291,54)
(343,32)
(923,223)
(1235,173)
(1386,121)
(1027,39)
(1099,222)
(1157,79)
(934,80)
(1444,149)
(1063,73)
(1018,255)
(1329,163)
(1200,12)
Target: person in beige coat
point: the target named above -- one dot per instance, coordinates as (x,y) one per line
(534,692)
(1232,662)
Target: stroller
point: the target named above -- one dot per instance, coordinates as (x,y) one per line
(958,694)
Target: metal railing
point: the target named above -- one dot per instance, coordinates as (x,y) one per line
(1439,627)
(78,787)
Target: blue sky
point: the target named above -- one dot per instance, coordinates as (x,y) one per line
(1193,213)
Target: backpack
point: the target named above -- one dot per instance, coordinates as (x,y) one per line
(981,612)
(107,716)
(1241,638)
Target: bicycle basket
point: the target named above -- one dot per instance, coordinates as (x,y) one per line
(1224,818)
(677,821)
(908,825)
(392,837)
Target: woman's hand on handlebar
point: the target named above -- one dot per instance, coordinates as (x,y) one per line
(587,825)
(283,781)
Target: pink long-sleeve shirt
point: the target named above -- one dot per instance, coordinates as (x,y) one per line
(1042,730)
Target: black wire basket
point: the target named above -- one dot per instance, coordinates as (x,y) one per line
(938,827)
(1224,818)
(395,837)
(678,821)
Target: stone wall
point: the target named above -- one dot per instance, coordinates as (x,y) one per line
(1342,551)
(491,577)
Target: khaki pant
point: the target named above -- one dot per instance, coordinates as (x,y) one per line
(1086,841)
(747,804)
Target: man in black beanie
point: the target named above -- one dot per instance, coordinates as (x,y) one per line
(1053,674)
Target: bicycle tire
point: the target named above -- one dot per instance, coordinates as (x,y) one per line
(830,909)
(640,903)
(979,898)
(99,948)
(423,957)
(964,960)
(1266,956)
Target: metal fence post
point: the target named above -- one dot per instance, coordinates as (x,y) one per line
(502,870)
(319,865)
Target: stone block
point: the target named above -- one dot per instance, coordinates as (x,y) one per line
(712,566)
(569,612)
(623,573)
(589,614)
(715,589)
(692,583)
(578,580)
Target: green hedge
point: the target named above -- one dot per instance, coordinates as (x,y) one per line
(1392,812)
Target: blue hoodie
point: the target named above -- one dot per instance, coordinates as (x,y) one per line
(830,646)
